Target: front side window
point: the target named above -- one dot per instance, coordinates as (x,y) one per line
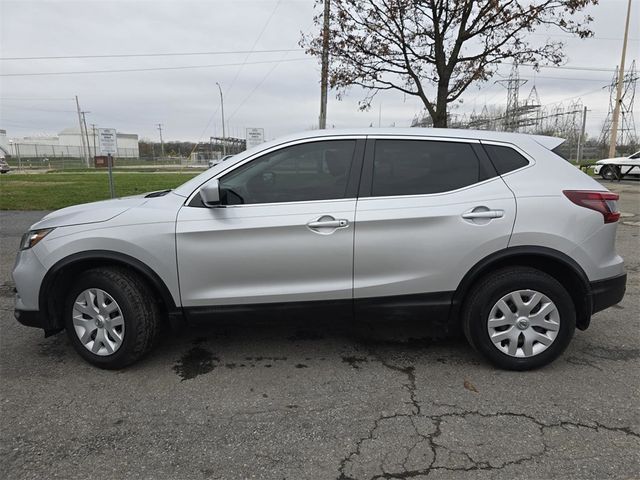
(414,167)
(309,171)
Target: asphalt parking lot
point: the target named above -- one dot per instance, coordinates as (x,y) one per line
(322,401)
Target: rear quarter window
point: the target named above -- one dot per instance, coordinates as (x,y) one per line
(505,159)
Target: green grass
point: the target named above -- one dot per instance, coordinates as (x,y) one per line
(57,190)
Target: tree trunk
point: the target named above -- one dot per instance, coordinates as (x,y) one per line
(439,116)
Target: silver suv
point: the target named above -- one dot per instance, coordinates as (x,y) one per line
(489,233)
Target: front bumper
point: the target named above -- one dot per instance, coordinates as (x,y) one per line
(607,292)
(29,318)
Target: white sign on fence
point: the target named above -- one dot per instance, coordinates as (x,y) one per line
(255,136)
(108,141)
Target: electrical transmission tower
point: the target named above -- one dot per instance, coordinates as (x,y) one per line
(627,134)
(511,121)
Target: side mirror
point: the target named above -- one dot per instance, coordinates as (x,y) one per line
(210,193)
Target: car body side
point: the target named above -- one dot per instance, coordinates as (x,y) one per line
(144,237)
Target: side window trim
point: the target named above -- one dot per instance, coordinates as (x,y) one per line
(353,179)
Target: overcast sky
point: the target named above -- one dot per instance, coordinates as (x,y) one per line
(282,96)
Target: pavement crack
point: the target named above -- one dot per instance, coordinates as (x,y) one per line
(432,443)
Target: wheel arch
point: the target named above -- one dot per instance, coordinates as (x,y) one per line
(553,262)
(62,274)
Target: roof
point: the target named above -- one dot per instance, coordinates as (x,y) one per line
(487,135)
(507,137)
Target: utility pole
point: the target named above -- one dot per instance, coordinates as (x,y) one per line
(224,136)
(616,110)
(95,151)
(84,147)
(86,134)
(161,141)
(581,137)
(324,72)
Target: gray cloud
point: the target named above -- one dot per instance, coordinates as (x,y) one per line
(281,97)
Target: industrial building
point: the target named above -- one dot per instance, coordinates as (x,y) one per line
(68,144)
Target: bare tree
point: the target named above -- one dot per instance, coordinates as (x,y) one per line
(415,45)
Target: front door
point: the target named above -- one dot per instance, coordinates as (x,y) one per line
(283,234)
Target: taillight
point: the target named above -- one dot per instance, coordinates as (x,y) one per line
(604,202)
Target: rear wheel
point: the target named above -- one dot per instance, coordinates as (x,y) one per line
(519,318)
(110,317)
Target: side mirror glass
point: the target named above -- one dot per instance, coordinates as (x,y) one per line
(210,193)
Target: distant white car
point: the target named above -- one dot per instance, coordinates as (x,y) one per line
(607,168)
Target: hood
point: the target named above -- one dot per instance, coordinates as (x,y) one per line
(94,212)
(612,159)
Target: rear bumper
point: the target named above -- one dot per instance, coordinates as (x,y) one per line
(607,292)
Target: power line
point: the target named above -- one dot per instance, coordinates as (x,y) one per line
(135,55)
(574,79)
(240,69)
(266,24)
(255,88)
(36,99)
(17,107)
(151,69)
(565,67)
(594,37)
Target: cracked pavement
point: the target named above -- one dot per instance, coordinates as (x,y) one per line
(296,400)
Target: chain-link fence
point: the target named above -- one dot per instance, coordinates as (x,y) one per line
(33,156)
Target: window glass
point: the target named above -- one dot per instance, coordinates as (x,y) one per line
(411,167)
(506,159)
(309,171)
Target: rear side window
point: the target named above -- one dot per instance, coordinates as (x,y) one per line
(414,167)
(505,159)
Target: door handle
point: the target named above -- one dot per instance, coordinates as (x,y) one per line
(327,221)
(476,213)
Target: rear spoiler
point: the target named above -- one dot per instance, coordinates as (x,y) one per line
(547,142)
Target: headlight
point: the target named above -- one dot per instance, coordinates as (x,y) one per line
(31,239)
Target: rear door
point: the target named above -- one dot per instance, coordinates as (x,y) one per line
(429,210)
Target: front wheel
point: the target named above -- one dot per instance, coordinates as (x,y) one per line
(608,172)
(519,318)
(110,317)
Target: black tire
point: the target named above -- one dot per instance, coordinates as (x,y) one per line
(608,172)
(490,289)
(140,313)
